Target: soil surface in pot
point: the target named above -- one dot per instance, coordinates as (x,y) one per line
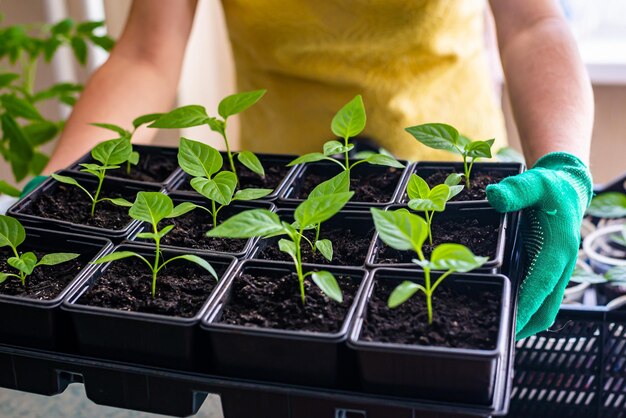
(182,288)
(273,301)
(463,317)
(373,187)
(68,203)
(479,237)
(152,167)
(479,181)
(46,282)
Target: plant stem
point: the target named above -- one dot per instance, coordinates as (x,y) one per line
(230,156)
(29,68)
(95,197)
(213,213)
(467,172)
(317,235)
(299,266)
(429,219)
(429,294)
(345,143)
(155,268)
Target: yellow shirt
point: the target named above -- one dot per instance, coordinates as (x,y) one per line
(414,61)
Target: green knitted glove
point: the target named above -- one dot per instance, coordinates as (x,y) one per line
(554,195)
(32,184)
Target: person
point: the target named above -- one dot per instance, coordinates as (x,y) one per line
(414,62)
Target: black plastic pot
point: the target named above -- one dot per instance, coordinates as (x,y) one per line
(38,323)
(148,154)
(296,357)
(427,372)
(235,206)
(138,337)
(181,185)
(353,219)
(427,168)
(326,169)
(121,186)
(485,214)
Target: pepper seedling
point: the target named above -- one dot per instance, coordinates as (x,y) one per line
(404,231)
(263,223)
(423,198)
(110,154)
(446,137)
(12,234)
(608,205)
(348,123)
(195,115)
(203,163)
(153,207)
(615,276)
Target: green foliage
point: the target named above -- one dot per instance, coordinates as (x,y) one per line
(608,205)
(12,234)
(404,231)
(445,137)
(153,207)
(615,276)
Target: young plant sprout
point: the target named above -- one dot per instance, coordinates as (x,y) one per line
(615,276)
(348,123)
(203,163)
(109,154)
(194,115)
(608,205)
(445,137)
(12,234)
(423,198)
(404,231)
(263,223)
(153,207)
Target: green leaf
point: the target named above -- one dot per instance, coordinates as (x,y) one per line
(151,207)
(63,27)
(12,233)
(402,293)
(119,201)
(325,247)
(142,120)
(38,163)
(182,209)
(79,46)
(616,274)
(103,42)
(350,120)
(199,261)
(182,117)
(220,188)
(88,27)
(455,257)
(17,107)
(198,159)
(338,184)
(436,135)
(288,247)
(453,181)
(65,179)
(509,155)
(400,229)
(217,125)
(308,158)
(239,102)
(361,155)
(134,158)
(25,263)
(436,200)
(39,133)
(479,149)
(316,210)
(248,224)
(5,276)
(583,276)
(251,161)
(251,194)
(380,159)
(7,78)
(7,189)
(327,284)
(58,90)
(115,256)
(56,258)
(111,127)
(336,147)
(417,188)
(113,151)
(19,146)
(50,47)
(608,205)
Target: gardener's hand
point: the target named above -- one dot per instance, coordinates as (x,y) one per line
(554,195)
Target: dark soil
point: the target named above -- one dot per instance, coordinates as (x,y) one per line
(273,301)
(463,317)
(479,182)
(369,186)
(152,167)
(68,203)
(182,288)
(46,282)
(479,237)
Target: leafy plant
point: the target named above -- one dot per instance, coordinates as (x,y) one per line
(445,137)
(110,154)
(12,234)
(24,128)
(423,198)
(615,276)
(348,123)
(403,231)
(153,207)
(194,115)
(608,205)
(203,163)
(263,223)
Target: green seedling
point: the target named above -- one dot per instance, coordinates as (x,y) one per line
(404,231)
(427,200)
(608,205)
(615,276)
(263,223)
(109,154)
(445,137)
(194,115)
(12,234)
(203,163)
(348,123)
(153,207)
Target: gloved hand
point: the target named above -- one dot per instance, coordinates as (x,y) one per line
(32,183)
(554,195)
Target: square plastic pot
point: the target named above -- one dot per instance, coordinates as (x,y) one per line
(147,154)
(286,356)
(353,219)
(180,184)
(116,235)
(328,169)
(178,198)
(38,323)
(427,168)
(138,337)
(487,214)
(429,372)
